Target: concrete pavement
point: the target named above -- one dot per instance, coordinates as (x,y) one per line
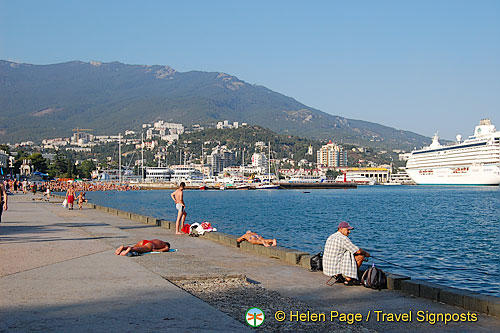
(59,272)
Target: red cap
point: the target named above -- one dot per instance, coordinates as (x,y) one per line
(344,224)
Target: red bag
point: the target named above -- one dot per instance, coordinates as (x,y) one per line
(186,228)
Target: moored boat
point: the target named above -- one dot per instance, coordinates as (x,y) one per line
(267,187)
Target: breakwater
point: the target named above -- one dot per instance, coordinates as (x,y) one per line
(453,296)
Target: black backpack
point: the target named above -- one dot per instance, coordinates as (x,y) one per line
(316,262)
(374,278)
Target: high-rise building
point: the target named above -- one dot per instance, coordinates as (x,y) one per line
(259,160)
(332,155)
(220,159)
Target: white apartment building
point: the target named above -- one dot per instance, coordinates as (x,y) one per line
(331,155)
(259,160)
(225,124)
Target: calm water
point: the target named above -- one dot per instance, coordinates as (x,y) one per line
(447,235)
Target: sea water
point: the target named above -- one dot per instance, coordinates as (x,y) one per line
(446,235)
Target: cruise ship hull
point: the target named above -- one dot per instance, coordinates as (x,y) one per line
(466,175)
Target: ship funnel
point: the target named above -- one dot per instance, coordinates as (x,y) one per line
(485,122)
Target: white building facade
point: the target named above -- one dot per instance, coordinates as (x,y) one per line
(332,155)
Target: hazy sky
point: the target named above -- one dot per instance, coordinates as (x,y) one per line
(414,65)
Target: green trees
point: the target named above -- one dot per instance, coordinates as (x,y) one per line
(59,167)
(86,168)
(38,162)
(64,166)
(332,174)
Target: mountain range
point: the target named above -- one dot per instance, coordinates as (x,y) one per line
(46,101)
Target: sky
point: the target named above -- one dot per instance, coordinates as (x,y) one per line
(423,66)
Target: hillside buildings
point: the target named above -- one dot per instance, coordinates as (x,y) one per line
(81,138)
(226,125)
(331,156)
(166,131)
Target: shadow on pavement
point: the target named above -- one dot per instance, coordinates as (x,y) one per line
(139,310)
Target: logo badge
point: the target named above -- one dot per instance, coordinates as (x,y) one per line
(254,317)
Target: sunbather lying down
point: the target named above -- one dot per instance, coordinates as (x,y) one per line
(144,246)
(253,238)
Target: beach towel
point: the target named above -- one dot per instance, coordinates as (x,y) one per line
(205,227)
(137,254)
(186,228)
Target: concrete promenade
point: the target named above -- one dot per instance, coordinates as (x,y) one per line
(58,272)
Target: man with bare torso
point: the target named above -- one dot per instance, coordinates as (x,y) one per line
(144,246)
(70,196)
(81,199)
(3,199)
(178,198)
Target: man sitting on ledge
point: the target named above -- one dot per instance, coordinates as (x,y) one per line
(144,246)
(342,258)
(253,238)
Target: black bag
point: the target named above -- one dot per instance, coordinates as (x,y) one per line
(317,262)
(374,278)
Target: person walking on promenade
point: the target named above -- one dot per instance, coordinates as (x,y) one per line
(342,258)
(70,196)
(3,199)
(81,199)
(144,246)
(254,238)
(178,197)
(47,194)
(25,186)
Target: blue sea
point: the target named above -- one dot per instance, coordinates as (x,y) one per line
(447,235)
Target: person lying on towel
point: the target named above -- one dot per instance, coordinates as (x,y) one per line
(144,246)
(253,238)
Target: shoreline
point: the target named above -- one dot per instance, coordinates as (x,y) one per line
(465,299)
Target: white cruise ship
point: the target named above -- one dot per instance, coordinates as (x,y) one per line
(475,161)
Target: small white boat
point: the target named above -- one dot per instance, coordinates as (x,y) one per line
(267,186)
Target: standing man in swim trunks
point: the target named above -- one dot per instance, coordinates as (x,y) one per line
(70,196)
(177,196)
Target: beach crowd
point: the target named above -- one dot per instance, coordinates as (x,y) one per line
(25,186)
